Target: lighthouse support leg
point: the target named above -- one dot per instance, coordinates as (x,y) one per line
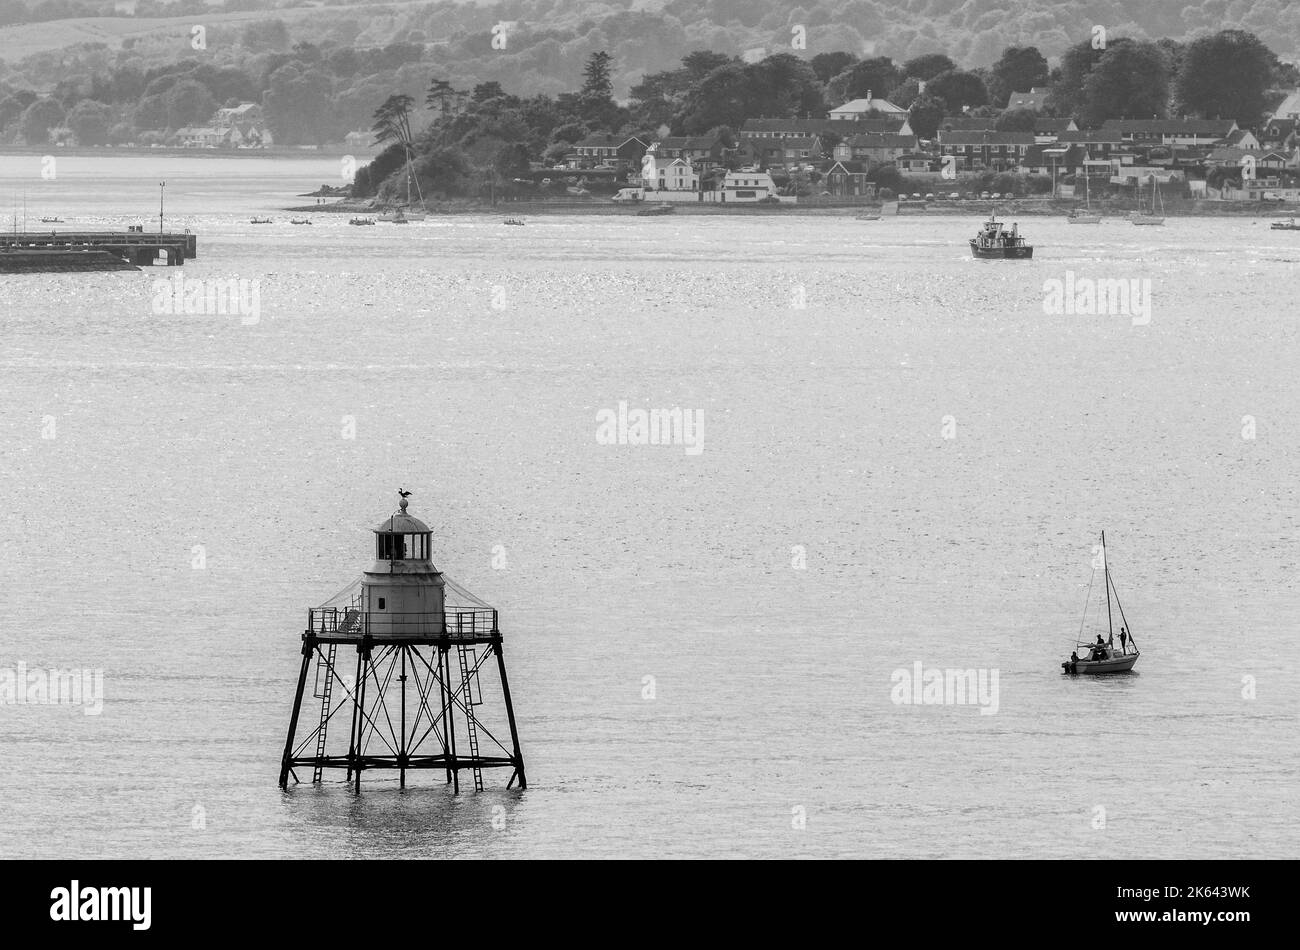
(297,708)
(510,714)
(363,662)
(356,707)
(442,690)
(401,750)
(450,725)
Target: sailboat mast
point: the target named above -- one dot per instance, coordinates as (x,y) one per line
(1110,627)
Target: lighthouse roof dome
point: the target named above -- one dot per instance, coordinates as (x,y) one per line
(399,522)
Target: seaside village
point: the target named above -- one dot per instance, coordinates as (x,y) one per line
(840,156)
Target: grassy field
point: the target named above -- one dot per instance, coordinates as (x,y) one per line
(19,42)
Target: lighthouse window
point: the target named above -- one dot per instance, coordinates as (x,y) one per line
(381,603)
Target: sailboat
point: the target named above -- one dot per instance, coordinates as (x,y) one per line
(1084,217)
(407,213)
(1142,215)
(1101,655)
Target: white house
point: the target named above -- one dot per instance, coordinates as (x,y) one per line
(747,186)
(677,175)
(861,108)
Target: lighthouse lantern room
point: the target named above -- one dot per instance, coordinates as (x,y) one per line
(403,593)
(419,691)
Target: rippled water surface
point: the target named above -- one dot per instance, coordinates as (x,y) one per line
(827,357)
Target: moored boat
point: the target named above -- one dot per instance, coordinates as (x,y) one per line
(361,221)
(1285,225)
(994,242)
(260,221)
(1102,657)
(302,221)
(1148,217)
(655,211)
(515,221)
(1084,215)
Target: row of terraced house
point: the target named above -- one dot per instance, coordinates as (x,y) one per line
(856,139)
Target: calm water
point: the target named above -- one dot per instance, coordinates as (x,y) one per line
(823,428)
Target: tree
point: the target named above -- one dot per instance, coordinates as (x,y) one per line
(487,90)
(926,114)
(871,77)
(596,73)
(1225,76)
(265,35)
(297,106)
(1069,77)
(1130,80)
(511,161)
(720,98)
(440,94)
(958,89)
(188,103)
(1019,69)
(905,92)
(829,65)
(393,120)
(887,176)
(784,85)
(89,121)
(1016,120)
(37,120)
(369,176)
(699,64)
(151,113)
(12,106)
(928,66)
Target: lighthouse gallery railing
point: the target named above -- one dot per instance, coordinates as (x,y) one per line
(459,623)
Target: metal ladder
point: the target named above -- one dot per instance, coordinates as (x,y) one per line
(470,703)
(325,696)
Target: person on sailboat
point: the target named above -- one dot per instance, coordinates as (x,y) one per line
(1123,640)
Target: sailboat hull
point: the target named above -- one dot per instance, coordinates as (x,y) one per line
(1116,664)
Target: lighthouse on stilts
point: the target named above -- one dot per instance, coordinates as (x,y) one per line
(402,661)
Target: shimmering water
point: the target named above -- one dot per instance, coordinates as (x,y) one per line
(474,358)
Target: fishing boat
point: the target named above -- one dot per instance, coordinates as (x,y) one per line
(656,211)
(1100,655)
(54,220)
(361,221)
(994,242)
(1285,225)
(1143,216)
(300,221)
(260,221)
(1084,215)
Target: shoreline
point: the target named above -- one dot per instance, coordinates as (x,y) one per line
(1005,209)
